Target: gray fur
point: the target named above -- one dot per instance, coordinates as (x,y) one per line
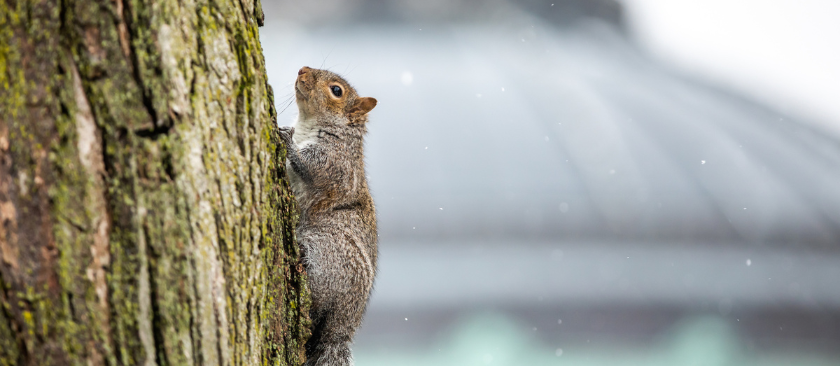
(337,229)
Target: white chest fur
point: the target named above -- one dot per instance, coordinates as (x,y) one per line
(305,132)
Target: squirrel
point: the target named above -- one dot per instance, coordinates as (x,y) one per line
(337,227)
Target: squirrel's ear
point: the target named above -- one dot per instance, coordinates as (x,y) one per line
(361,107)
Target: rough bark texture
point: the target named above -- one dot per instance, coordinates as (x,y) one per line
(144,212)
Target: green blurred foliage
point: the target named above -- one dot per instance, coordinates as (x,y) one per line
(493,339)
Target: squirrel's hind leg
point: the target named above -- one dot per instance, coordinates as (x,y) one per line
(327,347)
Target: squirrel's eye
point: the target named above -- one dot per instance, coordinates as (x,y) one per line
(336,90)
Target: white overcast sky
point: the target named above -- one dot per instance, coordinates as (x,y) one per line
(785,53)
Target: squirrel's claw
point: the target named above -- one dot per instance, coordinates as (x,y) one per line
(286,133)
(287,130)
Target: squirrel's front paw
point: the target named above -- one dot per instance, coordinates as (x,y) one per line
(286,133)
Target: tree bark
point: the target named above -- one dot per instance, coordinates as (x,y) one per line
(145,217)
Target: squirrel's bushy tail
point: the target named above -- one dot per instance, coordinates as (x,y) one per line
(330,354)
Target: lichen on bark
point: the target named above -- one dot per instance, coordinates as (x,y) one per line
(146,217)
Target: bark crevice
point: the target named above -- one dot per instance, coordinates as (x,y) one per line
(156,127)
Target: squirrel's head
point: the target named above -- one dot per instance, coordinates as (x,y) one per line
(323,93)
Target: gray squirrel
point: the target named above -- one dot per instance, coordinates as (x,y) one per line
(337,228)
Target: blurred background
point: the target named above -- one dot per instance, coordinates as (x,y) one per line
(590,182)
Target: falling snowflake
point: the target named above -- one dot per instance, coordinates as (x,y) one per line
(407,78)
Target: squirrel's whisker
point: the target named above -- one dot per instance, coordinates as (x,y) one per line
(288,103)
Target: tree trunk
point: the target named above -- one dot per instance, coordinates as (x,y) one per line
(145,217)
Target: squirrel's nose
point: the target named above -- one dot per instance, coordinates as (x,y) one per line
(303,70)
